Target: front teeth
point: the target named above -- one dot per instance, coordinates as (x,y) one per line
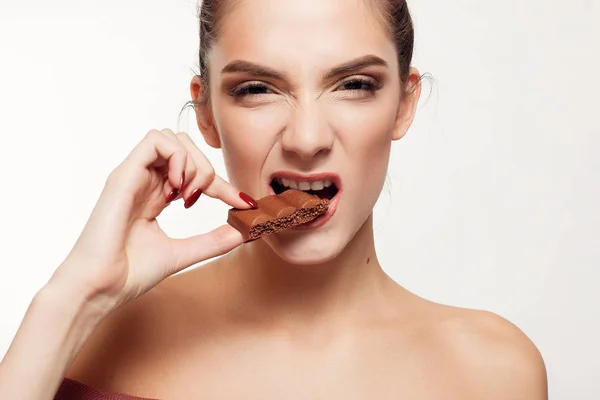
(303,185)
(318,185)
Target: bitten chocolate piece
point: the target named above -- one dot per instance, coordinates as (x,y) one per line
(276,213)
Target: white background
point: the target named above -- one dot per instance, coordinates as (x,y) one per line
(494,195)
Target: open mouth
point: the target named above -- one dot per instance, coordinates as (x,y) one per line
(324,189)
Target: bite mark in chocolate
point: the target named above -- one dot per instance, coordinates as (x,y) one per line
(276,213)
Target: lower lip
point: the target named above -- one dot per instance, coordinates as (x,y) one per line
(322,220)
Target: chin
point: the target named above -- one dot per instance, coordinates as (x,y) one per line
(305,249)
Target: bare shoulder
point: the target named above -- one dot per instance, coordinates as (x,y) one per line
(137,341)
(498,359)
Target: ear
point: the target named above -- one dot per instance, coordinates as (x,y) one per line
(204,116)
(408,104)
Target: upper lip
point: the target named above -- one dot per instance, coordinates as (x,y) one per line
(315,177)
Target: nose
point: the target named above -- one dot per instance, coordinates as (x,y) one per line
(308,133)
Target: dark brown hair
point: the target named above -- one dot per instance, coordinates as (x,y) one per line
(394,15)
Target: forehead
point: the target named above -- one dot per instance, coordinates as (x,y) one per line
(295,33)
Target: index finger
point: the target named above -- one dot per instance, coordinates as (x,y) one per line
(223,190)
(210,183)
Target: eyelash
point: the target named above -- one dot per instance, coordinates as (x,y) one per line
(371,85)
(244,90)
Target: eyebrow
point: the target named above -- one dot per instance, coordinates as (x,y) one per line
(263,71)
(355,65)
(252,69)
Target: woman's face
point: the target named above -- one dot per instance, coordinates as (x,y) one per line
(307,93)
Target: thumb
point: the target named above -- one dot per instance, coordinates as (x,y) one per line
(202,247)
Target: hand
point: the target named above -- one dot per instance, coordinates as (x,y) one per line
(122,252)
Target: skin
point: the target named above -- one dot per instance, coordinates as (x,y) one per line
(306,314)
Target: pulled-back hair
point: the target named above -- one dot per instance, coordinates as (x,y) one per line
(394,15)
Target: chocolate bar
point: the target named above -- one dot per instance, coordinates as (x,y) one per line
(276,213)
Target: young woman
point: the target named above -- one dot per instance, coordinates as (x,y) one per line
(306,94)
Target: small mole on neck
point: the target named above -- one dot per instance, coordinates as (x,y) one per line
(368,260)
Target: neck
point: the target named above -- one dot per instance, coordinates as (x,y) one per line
(271,288)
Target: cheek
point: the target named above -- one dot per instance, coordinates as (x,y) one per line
(365,131)
(247,136)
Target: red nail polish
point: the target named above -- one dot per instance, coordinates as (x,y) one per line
(172,196)
(193,198)
(251,202)
(181,183)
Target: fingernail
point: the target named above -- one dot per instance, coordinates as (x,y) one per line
(173,195)
(193,198)
(182,181)
(251,202)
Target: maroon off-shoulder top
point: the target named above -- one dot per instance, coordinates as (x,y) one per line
(73,390)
